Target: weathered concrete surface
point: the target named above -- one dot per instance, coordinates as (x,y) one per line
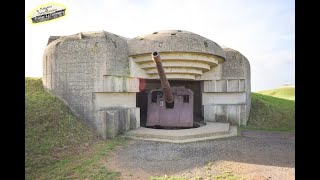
(177,65)
(134,118)
(120,84)
(52,38)
(209,131)
(182,49)
(223,98)
(114,99)
(174,41)
(226,98)
(233,114)
(238,66)
(116,120)
(75,66)
(95,71)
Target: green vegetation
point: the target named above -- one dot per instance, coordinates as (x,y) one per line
(271,113)
(285,92)
(57,145)
(168,178)
(227,176)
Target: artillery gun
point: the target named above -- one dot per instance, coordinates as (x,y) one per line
(169,107)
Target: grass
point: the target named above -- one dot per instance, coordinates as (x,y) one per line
(285,92)
(271,113)
(226,176)
(167,178)
(57,144)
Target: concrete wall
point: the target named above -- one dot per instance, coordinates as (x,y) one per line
(111,99)
(226,97)
(77,67)
(223,98)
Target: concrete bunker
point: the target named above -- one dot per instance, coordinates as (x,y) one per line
(103,77)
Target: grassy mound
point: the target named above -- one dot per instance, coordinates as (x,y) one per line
(57,144)
(285,92)
(271,113)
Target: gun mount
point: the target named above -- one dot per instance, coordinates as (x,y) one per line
(169,106)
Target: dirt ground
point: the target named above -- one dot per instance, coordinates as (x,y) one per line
(255,155)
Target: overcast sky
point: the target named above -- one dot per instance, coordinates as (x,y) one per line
(262,30)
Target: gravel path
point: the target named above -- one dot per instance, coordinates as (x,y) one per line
(254,155)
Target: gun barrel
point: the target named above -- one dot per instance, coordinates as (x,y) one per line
(163,78)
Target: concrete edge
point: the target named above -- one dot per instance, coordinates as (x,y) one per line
(180,138)
(232,132)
